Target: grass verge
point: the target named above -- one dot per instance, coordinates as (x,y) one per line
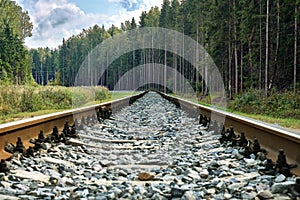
(114,96)
(289,123)
(19,102)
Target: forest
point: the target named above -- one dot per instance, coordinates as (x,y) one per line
(254,44)
(15,60)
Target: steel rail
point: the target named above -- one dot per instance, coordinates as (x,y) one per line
(271,137)
(31,127)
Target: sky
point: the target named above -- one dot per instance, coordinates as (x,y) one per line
(54,20)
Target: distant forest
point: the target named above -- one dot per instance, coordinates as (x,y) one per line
(254,43)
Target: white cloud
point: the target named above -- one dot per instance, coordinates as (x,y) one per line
(132,5)
(57,19)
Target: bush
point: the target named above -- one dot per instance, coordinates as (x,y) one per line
(30,101)
(15,99)
(278,105)
(102,94)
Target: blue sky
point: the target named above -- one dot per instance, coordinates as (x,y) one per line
(54,20)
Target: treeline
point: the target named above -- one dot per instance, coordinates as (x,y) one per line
(15,26)
(254,44)
(60,66)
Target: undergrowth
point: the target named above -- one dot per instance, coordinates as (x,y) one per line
(16,99)
(278,105)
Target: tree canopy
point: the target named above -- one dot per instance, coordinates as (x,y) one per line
(253,43)
(15,26)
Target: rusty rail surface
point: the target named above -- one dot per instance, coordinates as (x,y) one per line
(30,128)
(271,137)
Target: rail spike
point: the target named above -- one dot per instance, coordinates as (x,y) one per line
(205,121)
(3,167)
(20,147)
(247,150)
(242,141)
(201,119)
(73,131)
(30,152)
(41,137)
(297,185)
(55,135)
(10,148)
(281,164)
(223,137)
(269,168)
(232,137)
(66,129)
(256,146)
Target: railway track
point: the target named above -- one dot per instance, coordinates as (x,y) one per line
(150,150)
(30,128)
(271,137)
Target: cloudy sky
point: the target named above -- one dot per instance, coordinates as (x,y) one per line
(54,20)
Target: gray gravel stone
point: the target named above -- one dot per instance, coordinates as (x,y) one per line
(184,164)
(248,195)
(265,194)
(189,195)
(204,173)
(250,162)
(280,178)
(280,187)
(176,192)
(236,186)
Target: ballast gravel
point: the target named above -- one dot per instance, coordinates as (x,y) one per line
(149,150)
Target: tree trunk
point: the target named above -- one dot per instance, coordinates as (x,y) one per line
(260,49)
(197,61)
(277,48)
(151,69)
(127,70)
(202,79)
(229,58)
(242,62)
(206,76)
(42,75)
(182,66)
(267,50)
(235,48)
(175,73)
(165,68)
(133,68)
(250,40)
(295,50)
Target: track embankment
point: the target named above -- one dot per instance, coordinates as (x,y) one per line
(31,127)
(271,137)
(151,149)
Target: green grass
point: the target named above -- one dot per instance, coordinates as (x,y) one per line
(114,96)
(11,101)
(122,94)
(23,115)
(290,123)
